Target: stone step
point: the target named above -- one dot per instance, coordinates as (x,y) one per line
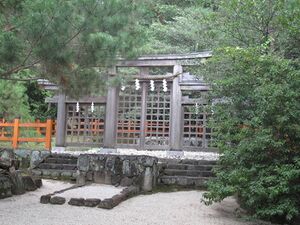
(60,160)
(184,181)
(188,173)
(189,167)
(188,161)
(55,174)
(64,156)
(55,166)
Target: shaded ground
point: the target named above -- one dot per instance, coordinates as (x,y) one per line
(176,208)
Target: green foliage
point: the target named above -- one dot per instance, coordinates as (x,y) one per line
(65,40)
(256,96)
(36,101)
(257,128)
(13,101)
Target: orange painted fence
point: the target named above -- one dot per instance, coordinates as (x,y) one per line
(15,136)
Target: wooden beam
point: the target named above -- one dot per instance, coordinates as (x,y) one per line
(144,71)
(61,120)
(110,129)
(95,99)
(176,96)
(194,88)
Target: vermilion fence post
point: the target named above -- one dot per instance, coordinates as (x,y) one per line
(49,125)
(16,133)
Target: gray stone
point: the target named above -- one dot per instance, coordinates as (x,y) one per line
(18,187)
(110,163)
(97,164)
(38,182)
(126,169)
(107,179)
(89,176)
(91,202)
(81,178)
(54,174)
(29,184)
(117,199)
(35,159)
(148,177)
(99,177)
(56,200)
(149,161)
(130,191)
(74,175)
(115,179)
(25,163)
(83,163)
(46,173)
(66,174)
(76,201)
(22,153)
(106,204)
(5,186)
(45,199)
(126,182)
(45,154)
(7,158)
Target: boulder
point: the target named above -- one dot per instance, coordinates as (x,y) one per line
(76,201)
(106,204)
(56,200)
(45,199)
(7,158)
(18,187)
(83,163)
(29,184)
(37,157)
(5,186)
(38,182)
(91,202)
(126,182)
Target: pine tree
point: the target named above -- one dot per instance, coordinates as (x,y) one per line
(67,41)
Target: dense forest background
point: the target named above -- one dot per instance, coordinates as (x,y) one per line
(254,73)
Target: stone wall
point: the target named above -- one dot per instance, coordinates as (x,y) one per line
(124,170)
(12,179)
(30,158)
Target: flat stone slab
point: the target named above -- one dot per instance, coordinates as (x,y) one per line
(98,191)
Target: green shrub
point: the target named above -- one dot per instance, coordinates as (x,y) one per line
(257,129)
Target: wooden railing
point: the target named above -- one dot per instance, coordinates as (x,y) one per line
(15,138)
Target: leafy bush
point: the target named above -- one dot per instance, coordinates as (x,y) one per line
(257,126)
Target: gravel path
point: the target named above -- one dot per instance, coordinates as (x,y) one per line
(177,208)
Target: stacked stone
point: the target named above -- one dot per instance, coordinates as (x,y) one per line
(12,180)
(123,170)
(107,203)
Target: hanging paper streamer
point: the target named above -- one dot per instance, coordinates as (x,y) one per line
(165,87)
(137,84)
(197,108)
(123,88)
(152,87)
(77,107)
(92,107)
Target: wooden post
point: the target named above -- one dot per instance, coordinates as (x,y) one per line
(176,112)
(16,133)
(61,120)
(143,71)
(111,120)
(48,134)
(38,129)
